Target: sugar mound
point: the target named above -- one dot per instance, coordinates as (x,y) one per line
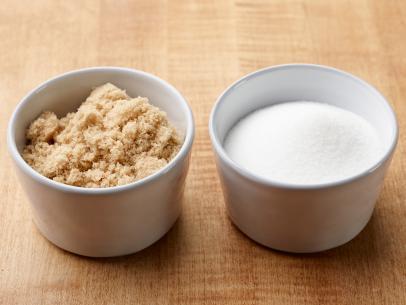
(303,143)
(112,139)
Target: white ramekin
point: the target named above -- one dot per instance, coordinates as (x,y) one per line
(292,217)
(111,221)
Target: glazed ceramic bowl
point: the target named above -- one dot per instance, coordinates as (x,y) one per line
(111,221)
(293,217)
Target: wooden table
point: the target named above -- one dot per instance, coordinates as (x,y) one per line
(201,47)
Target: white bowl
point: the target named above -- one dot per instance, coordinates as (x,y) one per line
(111,221)
(292,217)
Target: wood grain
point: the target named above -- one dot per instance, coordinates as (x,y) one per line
(201,47)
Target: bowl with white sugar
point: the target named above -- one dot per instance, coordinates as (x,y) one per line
(302,151)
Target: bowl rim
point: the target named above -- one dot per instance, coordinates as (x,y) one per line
(33,174)
(218,146)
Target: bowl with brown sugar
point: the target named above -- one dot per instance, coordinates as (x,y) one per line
(102,154)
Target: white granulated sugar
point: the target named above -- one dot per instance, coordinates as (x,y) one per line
(303,143)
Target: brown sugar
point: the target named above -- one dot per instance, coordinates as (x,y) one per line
(111,140)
